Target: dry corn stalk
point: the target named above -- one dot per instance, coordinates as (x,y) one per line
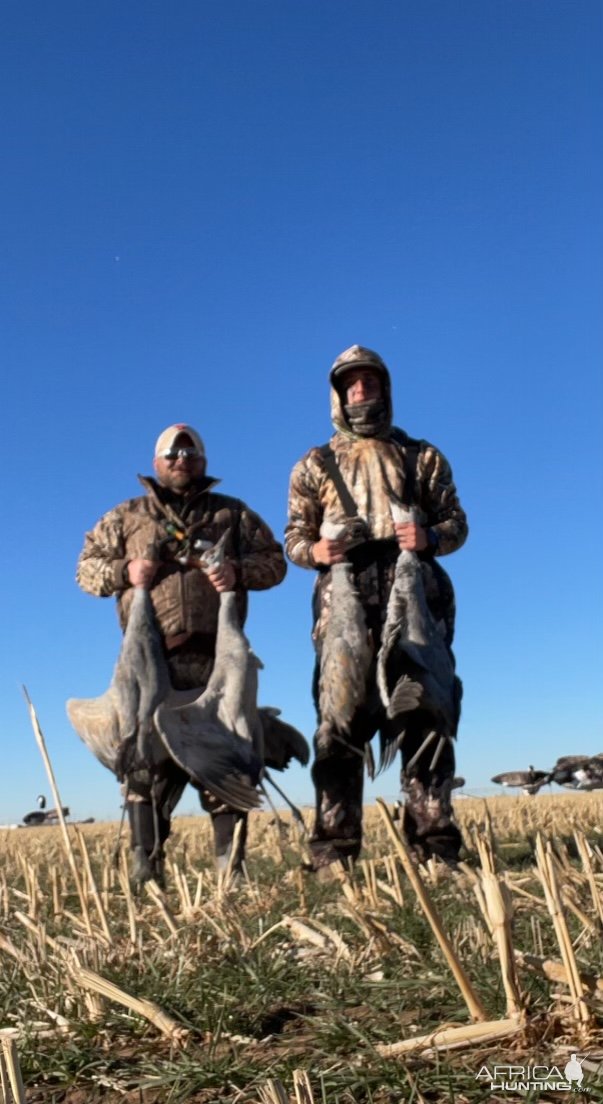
(474,1004)
(59,807)
(8,947)
(452,1038)
(37,929)
(124,881)
(153,891)
(377,930)
(319,935)
(349,888)
(391,869)
(370,876)
(536,927)
(273,1092)
(478,889)
(13,1070)
(6,1096)
(221,932)
(584,851)
(181,886)
(198,891)
(308,931)
(57,905)
(92,884)
(568,899)
(301,889)
(546,872)
(499,911)
(555,971)
(302,1087)
(165,1023)
(225,877)
(521,892)
(4,896)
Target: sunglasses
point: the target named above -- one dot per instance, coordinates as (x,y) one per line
(180,454)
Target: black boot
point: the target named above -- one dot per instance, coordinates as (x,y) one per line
(428,823)
(224,825)
(147,860)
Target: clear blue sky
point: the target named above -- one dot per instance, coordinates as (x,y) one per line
(202,205)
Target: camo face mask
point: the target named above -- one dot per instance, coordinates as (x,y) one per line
(367,419)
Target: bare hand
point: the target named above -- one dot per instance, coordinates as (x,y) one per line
(222,576)
(141,572)
(329,552)
(411,536)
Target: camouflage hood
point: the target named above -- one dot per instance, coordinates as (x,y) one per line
(357,356)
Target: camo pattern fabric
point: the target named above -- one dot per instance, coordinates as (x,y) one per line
(338,776)
(183,599)
(428,819)
(374,469)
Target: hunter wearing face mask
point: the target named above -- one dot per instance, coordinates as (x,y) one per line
(342,508)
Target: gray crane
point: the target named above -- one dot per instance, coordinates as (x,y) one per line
(411,644)
(346,653)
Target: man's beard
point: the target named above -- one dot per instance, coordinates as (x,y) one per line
(181,485)
(366,419)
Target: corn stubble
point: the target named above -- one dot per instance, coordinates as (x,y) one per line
(389,981)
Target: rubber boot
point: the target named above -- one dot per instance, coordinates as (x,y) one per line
(147,853)
(224,825)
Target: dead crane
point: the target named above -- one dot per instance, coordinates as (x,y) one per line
(218,736)
(346,653)
(221,737)
(122,717)
(412,644)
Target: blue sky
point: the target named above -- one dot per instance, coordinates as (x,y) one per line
(203,204)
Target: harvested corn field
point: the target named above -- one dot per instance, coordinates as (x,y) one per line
(390,983)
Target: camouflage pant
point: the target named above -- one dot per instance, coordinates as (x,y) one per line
(338,769)
(338,776)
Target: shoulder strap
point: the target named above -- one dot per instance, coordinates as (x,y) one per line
(411,448)
(332,470)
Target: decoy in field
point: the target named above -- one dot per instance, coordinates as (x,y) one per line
(576,772)
(530,781)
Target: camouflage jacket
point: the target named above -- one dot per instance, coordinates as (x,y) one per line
(184,601)
(373,469)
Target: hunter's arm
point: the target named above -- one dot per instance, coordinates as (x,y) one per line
(305,514)
(102,562)
(440,502)
(261,563)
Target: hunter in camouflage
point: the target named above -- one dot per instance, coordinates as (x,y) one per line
(350,484)
(155,541)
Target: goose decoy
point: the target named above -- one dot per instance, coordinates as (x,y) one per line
(530,781)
